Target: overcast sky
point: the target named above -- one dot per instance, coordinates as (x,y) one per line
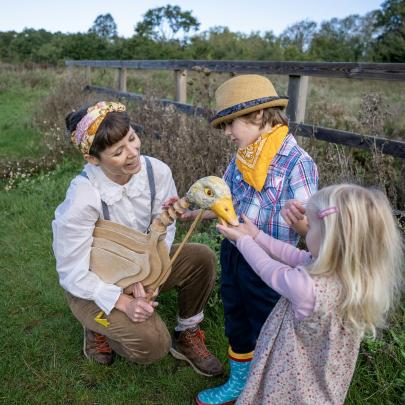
(243,16)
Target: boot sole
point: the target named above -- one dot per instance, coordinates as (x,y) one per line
(177,355)
(198,402)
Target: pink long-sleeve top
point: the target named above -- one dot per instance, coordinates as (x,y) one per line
(280,266)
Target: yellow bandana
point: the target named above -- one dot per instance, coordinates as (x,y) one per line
(254,160)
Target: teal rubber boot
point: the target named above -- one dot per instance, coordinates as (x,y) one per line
(229,392)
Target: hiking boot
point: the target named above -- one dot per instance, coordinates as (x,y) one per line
(189,345)
(96,347)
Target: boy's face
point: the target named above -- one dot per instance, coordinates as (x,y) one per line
(242,132)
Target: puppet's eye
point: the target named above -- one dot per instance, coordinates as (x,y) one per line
(209,192)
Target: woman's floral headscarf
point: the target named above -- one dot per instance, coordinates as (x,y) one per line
(87,127)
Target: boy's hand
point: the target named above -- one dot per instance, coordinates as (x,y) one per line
(293,211)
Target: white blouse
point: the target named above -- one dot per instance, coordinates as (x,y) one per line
(128,204)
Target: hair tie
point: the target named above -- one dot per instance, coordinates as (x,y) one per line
(87,127)
(327,211)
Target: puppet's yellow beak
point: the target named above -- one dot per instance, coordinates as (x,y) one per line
(223,208)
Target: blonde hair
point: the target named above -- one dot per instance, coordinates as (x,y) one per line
(362,245)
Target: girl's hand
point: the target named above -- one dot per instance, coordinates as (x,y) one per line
(248,227)
(230,232)
(292,212)
(235,232)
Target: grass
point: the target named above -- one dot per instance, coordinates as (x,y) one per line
(41,340)
(41,337)
(20,96)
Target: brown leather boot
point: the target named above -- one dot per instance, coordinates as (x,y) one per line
(96,347)
(189,345)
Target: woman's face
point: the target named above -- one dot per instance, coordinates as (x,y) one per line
(121,160)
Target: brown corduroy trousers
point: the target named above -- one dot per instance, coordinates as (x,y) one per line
(193,274)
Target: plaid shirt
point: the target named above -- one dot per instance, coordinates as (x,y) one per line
(292,175)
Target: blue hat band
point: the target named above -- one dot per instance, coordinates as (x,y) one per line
(244,106)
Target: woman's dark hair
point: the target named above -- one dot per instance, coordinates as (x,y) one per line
(112,129)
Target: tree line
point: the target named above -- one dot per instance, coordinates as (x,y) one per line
(171,33)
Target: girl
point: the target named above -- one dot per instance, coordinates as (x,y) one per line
(331,295)
(121,185)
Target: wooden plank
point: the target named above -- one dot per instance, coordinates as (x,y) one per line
(386,146)
(352,139)
(349,70)
(185,108)
(181,85)
(297,97)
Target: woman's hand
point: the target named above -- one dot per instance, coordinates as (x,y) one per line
(169,202)
(235,232)
(292,212)
(187,215)
(138,291)
(138,308)
(183,215)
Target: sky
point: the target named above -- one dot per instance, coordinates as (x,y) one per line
(243,16)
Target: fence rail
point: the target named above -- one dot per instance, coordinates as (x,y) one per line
(348,70)
(386,146)
(298,73)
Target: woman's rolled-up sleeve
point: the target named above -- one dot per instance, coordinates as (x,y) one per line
(72,238)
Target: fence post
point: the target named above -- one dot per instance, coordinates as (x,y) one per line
(88,75)
(181,86)
(122,79)
(297,97)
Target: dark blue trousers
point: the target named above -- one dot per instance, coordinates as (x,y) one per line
(247,300)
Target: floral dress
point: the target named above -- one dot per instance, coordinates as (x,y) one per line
(309,361)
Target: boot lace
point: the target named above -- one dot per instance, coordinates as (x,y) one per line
(196,339)
(102,345)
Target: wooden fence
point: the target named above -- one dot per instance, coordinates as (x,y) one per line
(298,73)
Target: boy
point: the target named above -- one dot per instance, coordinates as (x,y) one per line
(268,172)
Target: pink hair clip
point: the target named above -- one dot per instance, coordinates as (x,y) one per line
(327,211)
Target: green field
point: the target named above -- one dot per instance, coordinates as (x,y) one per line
(41,340)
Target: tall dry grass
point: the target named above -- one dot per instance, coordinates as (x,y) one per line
(193,149)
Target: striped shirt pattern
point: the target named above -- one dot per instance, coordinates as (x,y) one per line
(292,175)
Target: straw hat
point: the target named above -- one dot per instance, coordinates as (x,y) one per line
(244,94)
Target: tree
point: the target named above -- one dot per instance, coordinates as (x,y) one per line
(299,35)
(164,23)
(341,40)
(390,26)
(104,26)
